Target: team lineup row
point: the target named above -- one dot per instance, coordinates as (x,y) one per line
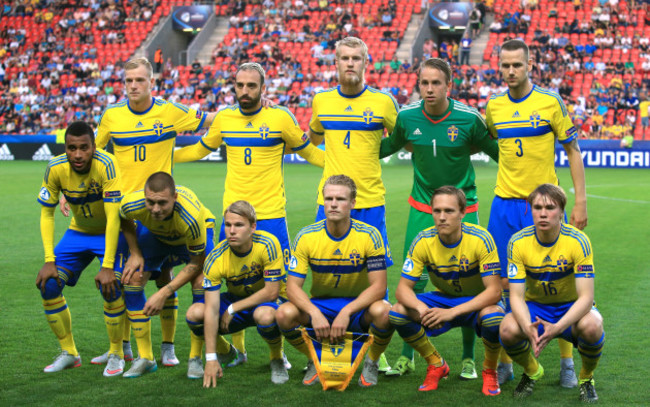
(442,134)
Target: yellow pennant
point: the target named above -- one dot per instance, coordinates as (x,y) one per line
(336,363)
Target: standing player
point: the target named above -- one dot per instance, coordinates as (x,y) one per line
(348,263)
(143,130)
(351,118)
(527,120)
(172,222)
(255,139)
(463,265)
(251,263)
(443,134)
(551,273)
(91,181)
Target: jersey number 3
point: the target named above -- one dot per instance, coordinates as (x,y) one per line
(520,152)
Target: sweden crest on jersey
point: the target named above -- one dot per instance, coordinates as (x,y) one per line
(452,133)
(264,131)
(535,119)
(367,115)
(355,257)
(158,128)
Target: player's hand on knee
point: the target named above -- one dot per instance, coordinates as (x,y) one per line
(47,271)
(224,322)
(135,264)
(211,373)
(106,281)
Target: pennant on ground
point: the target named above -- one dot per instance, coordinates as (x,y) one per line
(336,363)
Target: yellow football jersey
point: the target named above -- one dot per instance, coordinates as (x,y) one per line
(526,129)
(187,225)
(353,127)
(143,142)
(87,194)
(454,270)
(246,274)
(94,200)
(550,270)
(339,266)
(255,145)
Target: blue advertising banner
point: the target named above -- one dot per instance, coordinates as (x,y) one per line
(449,15)
(595,153)
(190,18)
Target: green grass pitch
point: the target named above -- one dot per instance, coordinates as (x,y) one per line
(618,204)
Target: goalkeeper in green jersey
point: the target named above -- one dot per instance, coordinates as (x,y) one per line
(442,133)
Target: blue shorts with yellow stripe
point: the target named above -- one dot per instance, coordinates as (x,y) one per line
(330,307)
(243,319)
(278,228)
(158,254)
(507,217)
(374,217)
(436,299)
(553,313)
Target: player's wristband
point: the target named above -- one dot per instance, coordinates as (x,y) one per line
(231,310)
(209,357)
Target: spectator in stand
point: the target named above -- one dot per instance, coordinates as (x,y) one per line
(465,48)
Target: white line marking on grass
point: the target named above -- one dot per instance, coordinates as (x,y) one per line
(609,198)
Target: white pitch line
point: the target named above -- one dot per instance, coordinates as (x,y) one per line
(618,199)
(609,198)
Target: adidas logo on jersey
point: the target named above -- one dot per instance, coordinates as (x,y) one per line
(547,259)
(82,185)
(5,153)
(417,132)
(348,109)
(249,125)
(338,253)
(139,125)
(244,269)
(43,154)
(453,258)
(514,116)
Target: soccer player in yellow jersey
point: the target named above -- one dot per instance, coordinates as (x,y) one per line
(348,264)
(172,222)
(255,139)
(551,273)
(250,262)
(143,131)
(91,181)
(463,265)
(526,120)
(351,118)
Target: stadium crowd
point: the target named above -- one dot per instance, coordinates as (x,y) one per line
(54,68)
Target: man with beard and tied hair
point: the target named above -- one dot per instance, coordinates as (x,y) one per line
(255,139)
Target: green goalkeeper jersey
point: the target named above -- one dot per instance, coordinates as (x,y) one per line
(442,146)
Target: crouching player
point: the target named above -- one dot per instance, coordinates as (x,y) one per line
(173,224)
(348,263)
(551,275)
(251,263)
(90,180)
(463,265)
